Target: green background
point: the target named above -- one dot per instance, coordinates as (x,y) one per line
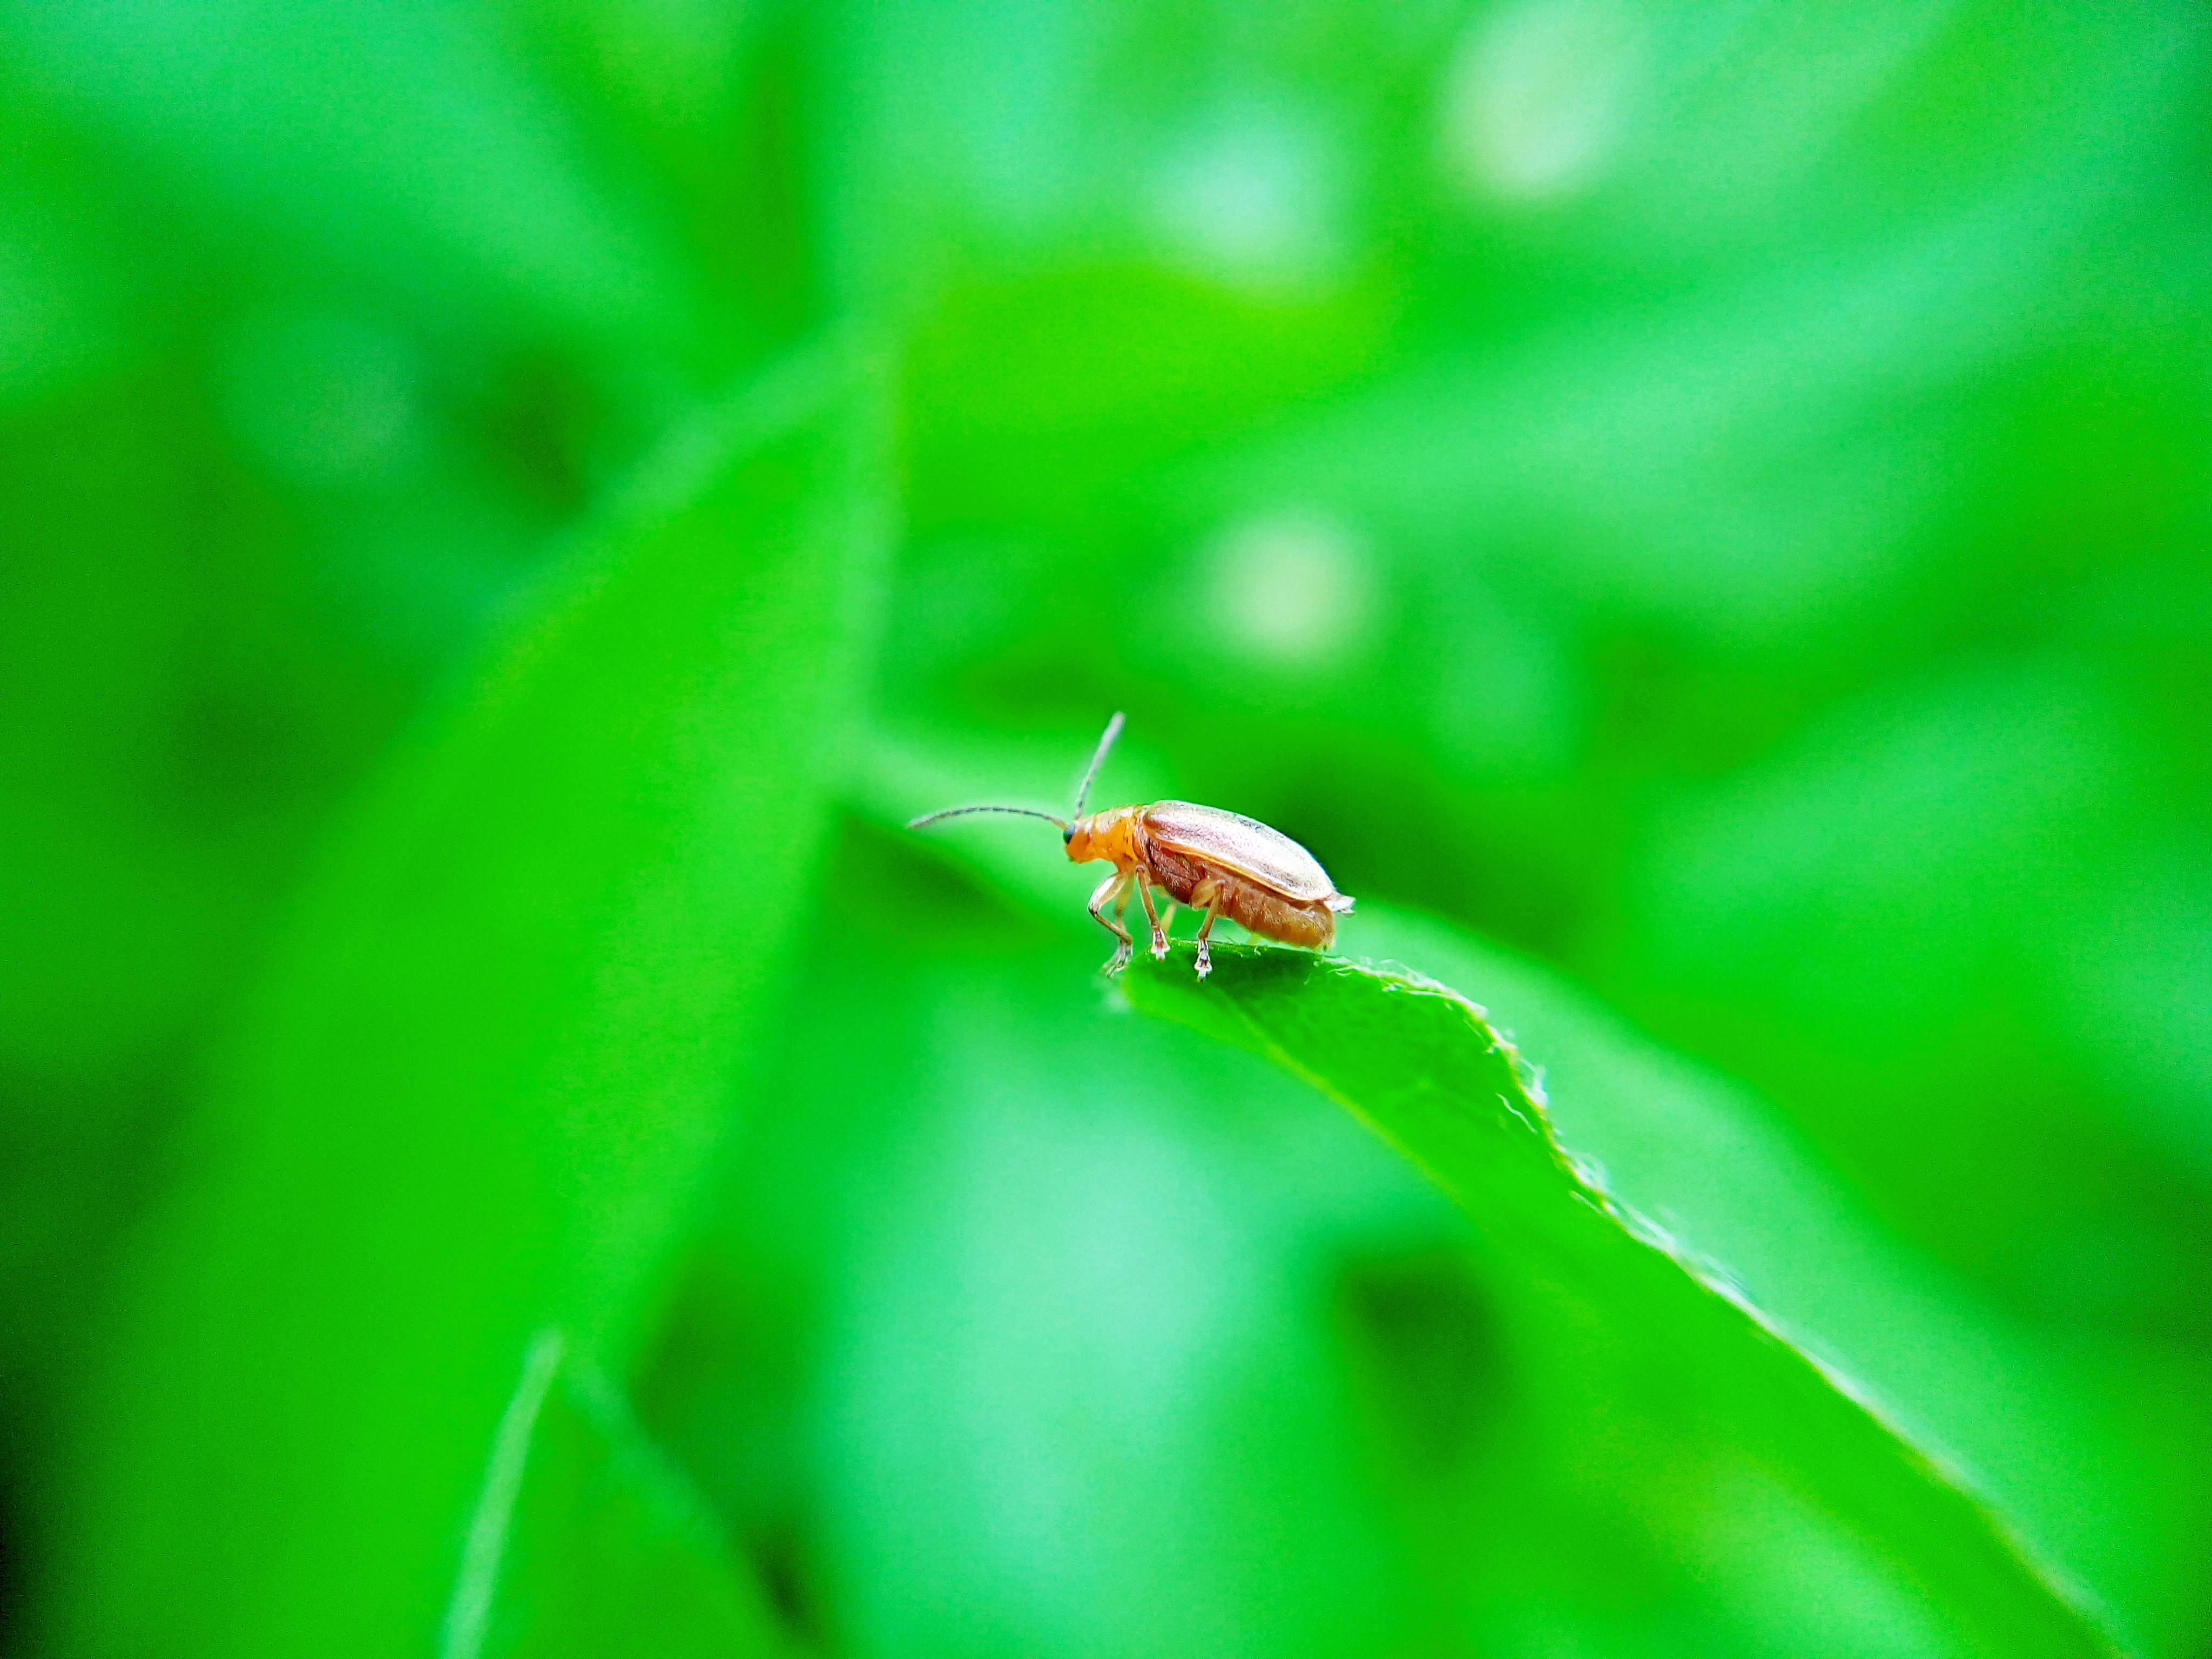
(1698,515)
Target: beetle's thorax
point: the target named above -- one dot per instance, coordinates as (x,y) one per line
(1116,834)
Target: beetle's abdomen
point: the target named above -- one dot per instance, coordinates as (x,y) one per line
(1272,916)
(1246,903)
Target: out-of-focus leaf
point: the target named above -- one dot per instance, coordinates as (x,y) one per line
(586,1540)
(1421,1065)
(490,1063)
(401,141)
(1932,841)
(1019,1332)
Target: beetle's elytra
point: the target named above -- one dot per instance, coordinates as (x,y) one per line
(1222,863)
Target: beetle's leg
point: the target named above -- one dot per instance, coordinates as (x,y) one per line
(1115,886)
(1205,951)
(1159,933)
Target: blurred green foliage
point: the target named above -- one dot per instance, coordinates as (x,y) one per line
(507,505)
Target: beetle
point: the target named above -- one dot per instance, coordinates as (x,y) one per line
(1222,863)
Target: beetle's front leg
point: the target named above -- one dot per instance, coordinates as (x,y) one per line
(1115,887)
(1159,933)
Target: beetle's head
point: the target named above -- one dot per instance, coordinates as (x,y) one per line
(1108,834)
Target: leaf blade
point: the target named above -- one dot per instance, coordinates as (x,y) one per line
(586,1540)
(1420,1064)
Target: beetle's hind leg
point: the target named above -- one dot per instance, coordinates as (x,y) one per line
(1115,890)
(1205,951)
(1159,933)
(1209,896)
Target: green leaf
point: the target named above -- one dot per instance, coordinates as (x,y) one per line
(1422,1065)
(587,1541)
(490,1062)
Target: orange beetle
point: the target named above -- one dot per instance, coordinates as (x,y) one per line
(1222,863)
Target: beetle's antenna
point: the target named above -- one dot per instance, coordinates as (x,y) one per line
(956,811)
(1113,731)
